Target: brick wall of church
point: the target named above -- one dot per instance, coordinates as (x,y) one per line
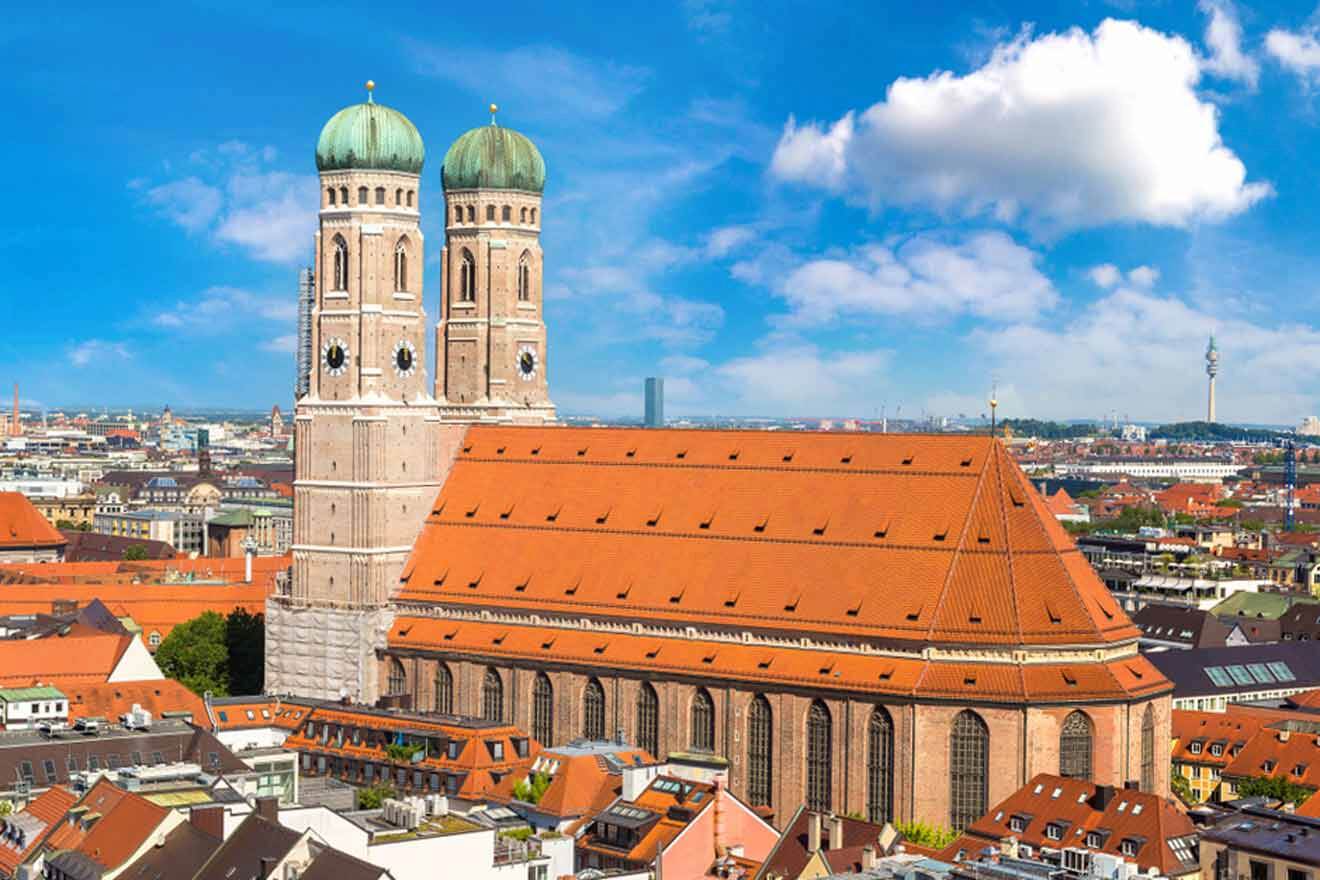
(1024,740)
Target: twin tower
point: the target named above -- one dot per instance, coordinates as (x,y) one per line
(373,442)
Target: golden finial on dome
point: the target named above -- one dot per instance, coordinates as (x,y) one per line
(494,108)
(371,87)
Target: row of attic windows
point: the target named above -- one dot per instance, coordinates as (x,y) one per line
(526,216)
(402,198)
(786,456)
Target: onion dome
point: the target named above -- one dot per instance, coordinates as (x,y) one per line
(493,157)
(370,136)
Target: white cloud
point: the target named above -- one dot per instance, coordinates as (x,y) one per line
(726,239)
(985,274)
(800,380)
(1105,275)
(100,351)
(534,81)
(683,365)
(222,308)
(1071,130)
(189,202)
(286,344)
(1297,51)
(707,17)
(1141,354)
(1144,276)
(1223,34)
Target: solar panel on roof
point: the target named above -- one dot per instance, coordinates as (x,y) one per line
(1260,673)
(1240,674)
(1218,676)
(1281,671)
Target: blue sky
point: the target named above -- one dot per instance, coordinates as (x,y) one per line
(785,209)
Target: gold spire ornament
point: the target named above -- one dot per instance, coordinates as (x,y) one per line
(494,108)
(371,87)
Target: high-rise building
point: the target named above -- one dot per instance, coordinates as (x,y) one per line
(1211,370)
(490,339)
(306,303)
(654,417)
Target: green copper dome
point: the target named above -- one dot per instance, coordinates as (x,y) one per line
(370,136)
(494,157)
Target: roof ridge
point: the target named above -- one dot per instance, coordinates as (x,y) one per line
(962,539)
(995,453)
(686,465)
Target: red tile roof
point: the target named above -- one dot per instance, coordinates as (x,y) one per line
(1293,754)
(580,784)
(1074,807)
(1230,732)
(245,714)
(796,532)
(48,808)
(62,661)
(125,822)
(22,525)
(113,699)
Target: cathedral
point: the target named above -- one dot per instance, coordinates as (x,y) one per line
(891,625)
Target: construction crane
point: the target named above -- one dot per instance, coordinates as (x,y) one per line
(1289,483)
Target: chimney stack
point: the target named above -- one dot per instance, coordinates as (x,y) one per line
(267,866)
(813,832)
(1103,796)
(268,808)
(209,819)
(836,832)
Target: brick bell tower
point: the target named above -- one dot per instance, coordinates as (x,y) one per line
(491,339)
(369,443)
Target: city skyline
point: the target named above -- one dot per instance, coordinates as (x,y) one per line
(774,241)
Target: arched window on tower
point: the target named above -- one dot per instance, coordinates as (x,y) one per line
(969,755)
(398,681)
(343,196)
(340,275)
(760,751)
(880,767)
(401,264)
(507,215)
(543,710)
(380,195)
(525,277)
(820,755)
(472,213)
(648,719)
(533,216)
(490,213)
(362,195)
(1075,746)
(444,689)
(492,696)
(410,198)
(458,213)
(398,197)
(593,710)
(330,195)
(522,214)
(1148,749)
(467,277)
(703,722)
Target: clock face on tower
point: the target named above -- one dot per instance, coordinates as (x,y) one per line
(405,358)
(334,354)
(526,363)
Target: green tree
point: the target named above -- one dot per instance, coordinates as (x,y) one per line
(932,836)
(134,552)
(371,797)
(1278,788)
(195,654)
(245,640)
(531,790)
(1182,788)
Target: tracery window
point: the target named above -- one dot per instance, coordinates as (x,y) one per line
(820,749)
(969,755)
(340,265)
(467,277)
(760,743)
(524,277)
(880,766)
(444,689)
(1075,746)
(1148,749)
(543,710)
(398,681)
(492,696)
(648,719)
(593,710)
(703,721)
(401,265)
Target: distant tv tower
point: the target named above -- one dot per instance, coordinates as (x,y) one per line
(1211,370)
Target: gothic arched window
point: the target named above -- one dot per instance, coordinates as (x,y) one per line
(543,710)
(398,197)
(1075,746)
(472,214)
(341,265)
(410,198)
(458,213)
(880,766)
(492,696)
(362,195)
(507,214)
(398,682)
(703,721)
(444,689)
(522,215)
(820,754)
(648,719)
(969,755)
(490,213)
(533,216)
(524,277)
(401,265)
(1148,749)
(467,277)
(330,193)
(593,710)
(343,196)
(760,745)
(380,195)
